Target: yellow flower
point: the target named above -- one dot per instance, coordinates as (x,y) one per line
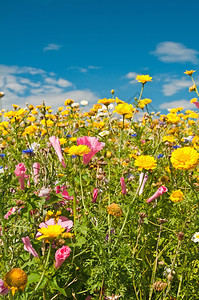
(193,100)
(143,102)
(31,118)
(114,210)
(67,235)
(172,118)
(62,141)
(51,214)
(189,72)
(175,110)
(49,123)
(184,158)
(78,150)
(124,109)
(30,130)
(68,102)
(146,162)
(73,139)
(143,78)
(50,233)
(192,88)
(177,196)
(168,138)
(106,101)
(15,279)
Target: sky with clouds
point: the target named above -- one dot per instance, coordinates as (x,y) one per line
(81,49)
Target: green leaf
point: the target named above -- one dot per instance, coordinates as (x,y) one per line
(33,277)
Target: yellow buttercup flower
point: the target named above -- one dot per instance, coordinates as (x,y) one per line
(114,210)
(142,103)
(189,72)
(176,196)
(192,88)
(62,141)
(146,162)
(68,102)
(78,150)
(184,158)
(124,109)
(49,123)
(106,101)
(15,279)
(193,100)
(172,118)
(168,138)
(50,233)
(143,78)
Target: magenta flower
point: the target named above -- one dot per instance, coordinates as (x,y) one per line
(93,144)
(95,194)
(3,289)
(60,256)
(142,183)
(123,186)
(20,171)
(28,246)
(10,212)
(196,104)
(56,145)
(36,167)
(159,192)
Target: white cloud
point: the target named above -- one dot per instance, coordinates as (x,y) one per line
(20,85)
(175,85)
(178,103)
(60,82)
(84,70)
(52,46)
(131,75)
(56,100)
(175,52)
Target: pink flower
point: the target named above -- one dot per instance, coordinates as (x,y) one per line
(159,192)
(123,186)
(95,194)
(3,289)
(93,144)
(36,167)
(56,145)
(28,246)
(60,256)
(10,212)
(196,104)
(142,183)
(20,170)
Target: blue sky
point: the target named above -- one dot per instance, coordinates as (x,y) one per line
(81,49)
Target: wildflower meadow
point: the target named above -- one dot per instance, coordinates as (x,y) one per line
(100,203)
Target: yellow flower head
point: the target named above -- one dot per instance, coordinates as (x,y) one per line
(192,88)
(143,102)
(146,162)
(106,101)
(172,118)
(51,214)
(124,109)
(143,78)
(62,141)
(68,102)
(49,123)
(177,196)
(114,210)
(78,150)
(193,100)
(50,233)
(184,158)
(15,279)
(168,138)
(189,72)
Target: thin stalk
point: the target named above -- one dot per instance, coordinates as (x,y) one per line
(172,267)
(121,136)
(3,237)
(81,186)
(141,92)
(196,90)
(155,265)
(42,275)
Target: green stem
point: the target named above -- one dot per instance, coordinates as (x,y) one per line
(3,237)
(141,92)
(42,275)
(81,186)
(155,265)
(121,136)
(196,90)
